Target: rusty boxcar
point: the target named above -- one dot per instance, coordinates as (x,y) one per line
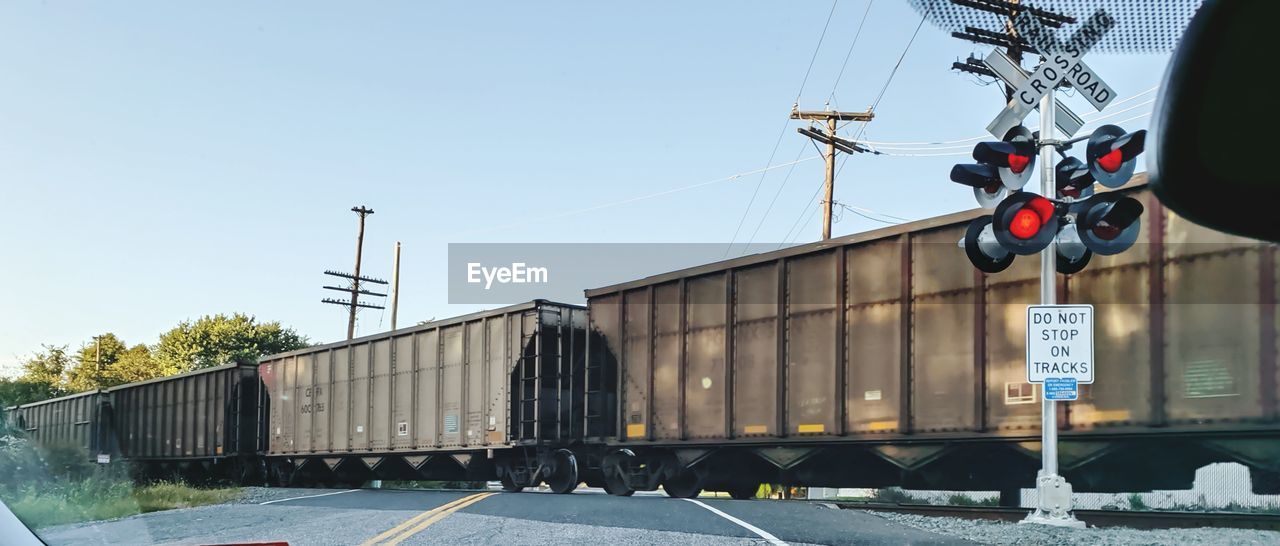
(491,394)
(201,424)
(885,358)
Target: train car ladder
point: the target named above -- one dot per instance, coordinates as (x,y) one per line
(530,379)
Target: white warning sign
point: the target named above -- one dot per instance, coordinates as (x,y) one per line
(1060,342)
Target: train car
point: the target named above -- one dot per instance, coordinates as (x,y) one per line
(885,358)
(204,424)
(496,394)
(80,420)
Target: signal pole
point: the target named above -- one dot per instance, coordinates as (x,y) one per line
(833,143)
(1048,286)
(355,279)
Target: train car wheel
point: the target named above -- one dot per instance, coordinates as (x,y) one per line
(744,491)
(618,490)
(509,483)
(282,474)
(564,477)
(685,485)
(241,471)
(614,470)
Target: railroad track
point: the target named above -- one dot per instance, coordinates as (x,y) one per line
(1094,518)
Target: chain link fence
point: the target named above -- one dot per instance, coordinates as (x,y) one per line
(1218,487)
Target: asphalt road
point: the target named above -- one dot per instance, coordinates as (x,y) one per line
(388,517)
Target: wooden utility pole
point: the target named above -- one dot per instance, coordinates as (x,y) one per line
(361,211)
(355,279)
(97,359)
(395,286)
(833,143)
(1014,49)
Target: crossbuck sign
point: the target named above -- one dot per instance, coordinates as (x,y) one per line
(1063,63)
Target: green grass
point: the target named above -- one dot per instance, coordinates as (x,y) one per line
(168,496)
(960,499)
(97,499)
(1136,502)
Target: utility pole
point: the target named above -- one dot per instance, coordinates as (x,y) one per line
(1014,49)
(362,212)
(355,279)
(395,286)
(833,143)
(97,358)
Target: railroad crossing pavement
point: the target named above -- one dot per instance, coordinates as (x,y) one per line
(390,517)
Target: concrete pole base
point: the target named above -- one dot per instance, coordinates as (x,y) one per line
(1053,503)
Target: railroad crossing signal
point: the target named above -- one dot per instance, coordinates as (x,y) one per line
(1081,222)
(984,251)
(1109,224)
(1025,223)
(1112,153)
(1063,64)
(1067,222)
(1073,179)
(1014,76)
(1003,167)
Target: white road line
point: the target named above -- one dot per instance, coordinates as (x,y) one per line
(758,531)
(307,497)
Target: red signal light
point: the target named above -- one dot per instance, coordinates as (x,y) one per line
(1111,161)
(1018,163)
(1105,231)
(1025,224)
(1042,207)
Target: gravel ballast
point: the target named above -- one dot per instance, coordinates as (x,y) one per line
(998,532)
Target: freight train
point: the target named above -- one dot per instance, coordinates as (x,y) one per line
(877,359)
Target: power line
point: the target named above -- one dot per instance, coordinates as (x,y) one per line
(894,72)
(774,200)
(811,217)
(883,90)
(783,132)
(979,137)
(796,224)
(862,130)
(850,52)
(593,208)
(944,154)
(1121,111)
(888,149)
(812,198)
(816,49)
(863,211)
(756,191)
(830,138)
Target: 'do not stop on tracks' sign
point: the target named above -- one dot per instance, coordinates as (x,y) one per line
(1060,343)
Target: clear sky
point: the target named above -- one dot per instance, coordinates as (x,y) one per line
(160,161)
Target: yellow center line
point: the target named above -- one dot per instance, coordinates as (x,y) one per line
(404,525)
(437,517)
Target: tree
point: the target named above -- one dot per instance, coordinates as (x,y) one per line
(15,392)
(107,361)
(42,378)
(220,339)
(47,366)
(92,362)
(137,364)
